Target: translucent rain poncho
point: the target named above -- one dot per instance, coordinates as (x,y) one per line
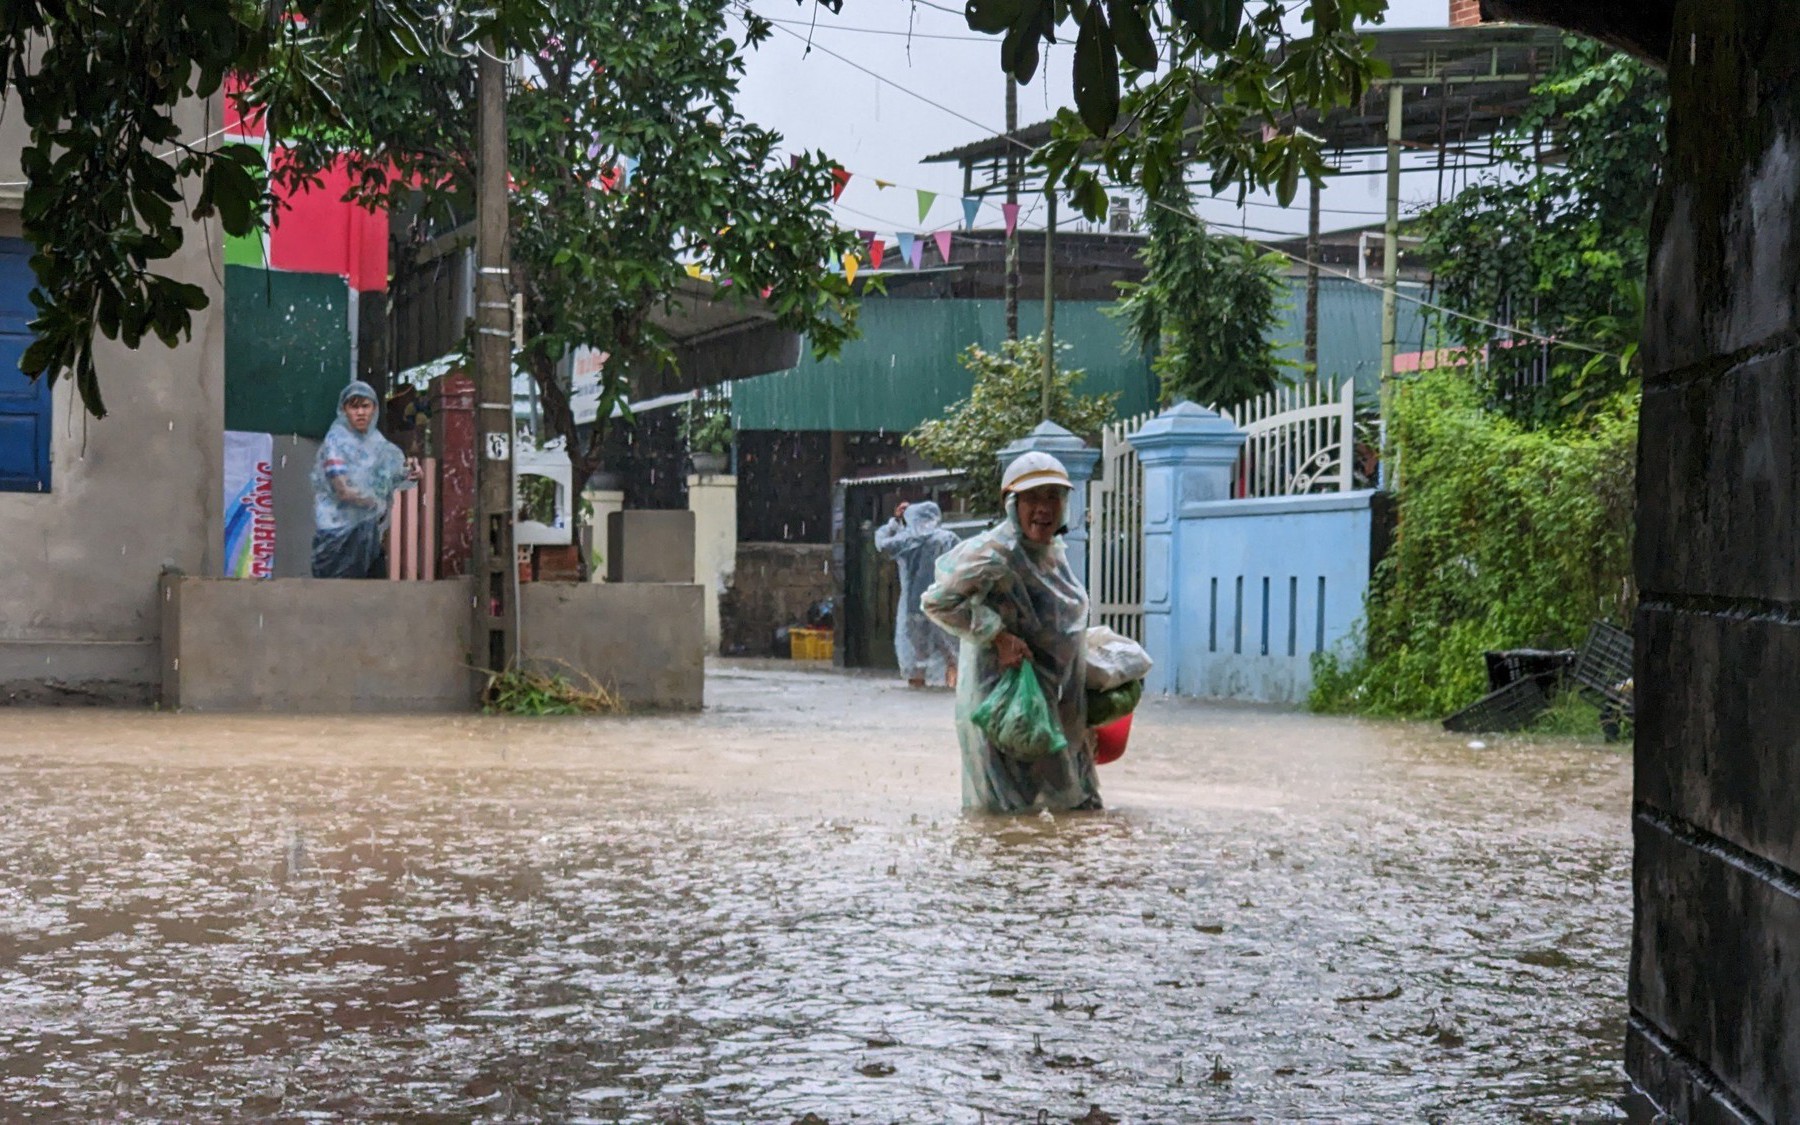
(915,544)
(347,537)
(1001,581)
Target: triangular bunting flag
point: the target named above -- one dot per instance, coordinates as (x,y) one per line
(628,164)
(793,161)
(943,245)
(907,242)
(883,185)
(926,199)
(865,236)
(971,206)
(766,290)
(693,269)
(850,264)
(1011,211)
(917,257)
(843,181)
(876,249)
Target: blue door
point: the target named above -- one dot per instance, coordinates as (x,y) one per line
(24,404)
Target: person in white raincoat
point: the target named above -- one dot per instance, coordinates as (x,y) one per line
(1010,594)
(915,539)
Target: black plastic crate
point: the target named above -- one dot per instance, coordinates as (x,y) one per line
(1603,667)
(1513,707)
(1546,666)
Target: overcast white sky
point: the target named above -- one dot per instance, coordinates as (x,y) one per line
(878,130)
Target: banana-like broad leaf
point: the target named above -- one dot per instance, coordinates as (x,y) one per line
(991,17)
(1131,33)
(1096,74)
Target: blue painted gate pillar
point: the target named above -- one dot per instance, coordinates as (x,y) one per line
(1080,460)
(1187,453)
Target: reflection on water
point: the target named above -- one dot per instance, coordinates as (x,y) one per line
(772,910)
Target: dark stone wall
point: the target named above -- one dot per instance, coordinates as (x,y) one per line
(774,585)
(1715,968)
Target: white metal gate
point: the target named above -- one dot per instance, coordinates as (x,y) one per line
(1301,439)
(1116,533)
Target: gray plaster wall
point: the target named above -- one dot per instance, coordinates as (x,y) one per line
(303,645)
(131,494)
(315,645)
(1714,1030)
(645,641)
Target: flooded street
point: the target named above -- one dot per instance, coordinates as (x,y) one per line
(773,912)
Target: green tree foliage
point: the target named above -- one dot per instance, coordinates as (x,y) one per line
(98,84)
(1559,248)
(1005,404)
(595,250)
(1189,76)
(1509,537)
(1205,310)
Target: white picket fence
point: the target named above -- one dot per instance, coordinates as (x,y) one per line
(1116,533)
(1301,439)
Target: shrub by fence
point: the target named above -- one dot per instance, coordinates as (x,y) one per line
(1508,538)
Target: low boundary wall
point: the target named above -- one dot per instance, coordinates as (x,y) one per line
(318,645)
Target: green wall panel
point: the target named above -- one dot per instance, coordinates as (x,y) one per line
(903,369)
(1349,330)
(287,350)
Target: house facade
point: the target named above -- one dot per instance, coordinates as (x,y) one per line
(95,510)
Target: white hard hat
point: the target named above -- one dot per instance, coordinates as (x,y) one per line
(1034,470)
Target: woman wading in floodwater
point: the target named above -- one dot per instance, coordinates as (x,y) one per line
(354,477)
(1010,594)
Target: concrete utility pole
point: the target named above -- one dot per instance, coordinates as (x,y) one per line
(1312,281)
(1013,169)
(1390,277)
(494,636)
(1049,301)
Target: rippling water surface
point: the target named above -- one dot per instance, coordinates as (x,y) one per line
(773,910)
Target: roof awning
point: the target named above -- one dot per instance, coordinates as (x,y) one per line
(1468,83)
(718,336)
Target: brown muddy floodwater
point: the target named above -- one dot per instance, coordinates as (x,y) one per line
(774,910)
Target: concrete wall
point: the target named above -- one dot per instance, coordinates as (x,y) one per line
(315,645)
(1263,585)
(1714,1030)
(131,494)
(713,500)
(644,641)
(774,584)
(306,645)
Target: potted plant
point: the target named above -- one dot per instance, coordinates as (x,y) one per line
(708,431)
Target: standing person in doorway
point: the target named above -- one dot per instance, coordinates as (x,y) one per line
(1011,596)
(354,477)
(915,538)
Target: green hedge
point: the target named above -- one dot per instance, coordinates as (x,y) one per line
(1507,538)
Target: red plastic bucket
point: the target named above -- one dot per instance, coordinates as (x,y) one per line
(1109,740)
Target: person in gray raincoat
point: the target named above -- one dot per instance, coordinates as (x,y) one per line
(915,539)
(354,477)
(1010,594)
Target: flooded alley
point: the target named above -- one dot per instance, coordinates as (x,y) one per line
(773,912)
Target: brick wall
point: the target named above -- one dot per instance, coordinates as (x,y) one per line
(774,585)
(1465,13)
